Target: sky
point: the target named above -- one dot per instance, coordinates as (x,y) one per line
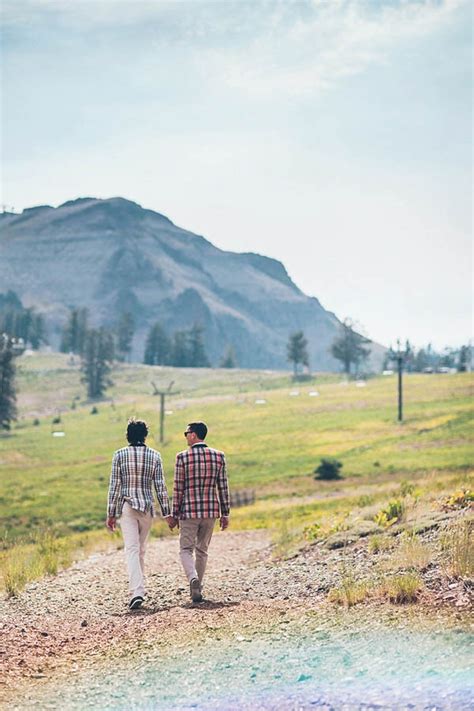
(333,135)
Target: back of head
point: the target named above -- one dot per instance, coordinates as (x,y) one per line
(200,429)
(137,431)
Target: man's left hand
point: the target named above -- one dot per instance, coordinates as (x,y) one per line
(224,522)
(111,523)
(171,521)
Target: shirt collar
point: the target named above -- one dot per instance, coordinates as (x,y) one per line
(199,444)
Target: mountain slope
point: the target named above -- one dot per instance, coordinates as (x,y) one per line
(112,256)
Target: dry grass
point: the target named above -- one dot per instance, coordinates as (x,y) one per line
(402,589)
(379,543)
(457,545)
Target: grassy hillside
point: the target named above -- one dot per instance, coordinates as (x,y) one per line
(271,446)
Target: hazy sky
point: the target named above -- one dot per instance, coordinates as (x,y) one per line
(334,135)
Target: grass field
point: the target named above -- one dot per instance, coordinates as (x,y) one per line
(60,483)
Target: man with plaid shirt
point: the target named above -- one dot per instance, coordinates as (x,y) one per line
(136,470)
(200,496)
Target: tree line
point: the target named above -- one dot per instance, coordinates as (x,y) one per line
(352,349)
(21,322)
(349,347)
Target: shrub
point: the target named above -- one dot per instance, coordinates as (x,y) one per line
(52,552)
(457,544)
(328,469)
(94,411)
(389,515)
(406,488)
(312,532)
(402,589)
(379,543)
(365,500)
(350,591)
(56,420)
(412,552)
(36,422)
(459,500)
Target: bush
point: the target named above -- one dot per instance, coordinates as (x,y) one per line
(94,411)
(36,422)
(56,420)
(403,588)
(459,500)
(457,545)
(312,532)
(406,488)
(328,469)
(392,513)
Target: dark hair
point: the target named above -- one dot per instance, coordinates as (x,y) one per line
(137,431)
(200,428)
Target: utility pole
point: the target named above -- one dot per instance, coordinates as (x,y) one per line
(399,357)
(163,394)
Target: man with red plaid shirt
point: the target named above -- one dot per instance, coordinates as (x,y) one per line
(200,496)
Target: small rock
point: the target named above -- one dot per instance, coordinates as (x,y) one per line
(84,623)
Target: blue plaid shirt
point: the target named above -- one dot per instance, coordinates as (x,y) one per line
(135,471)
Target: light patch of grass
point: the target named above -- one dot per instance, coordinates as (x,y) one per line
(458,546)
(53,553)
(411,554)
(285,539)
(402,589)
(350,591)
(379,543)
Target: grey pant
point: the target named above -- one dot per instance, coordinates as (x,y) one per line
(195,536)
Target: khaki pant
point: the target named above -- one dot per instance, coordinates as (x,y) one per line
(135,527)
(196,534)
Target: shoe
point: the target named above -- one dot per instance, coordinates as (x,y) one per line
(195,590)
(135,602)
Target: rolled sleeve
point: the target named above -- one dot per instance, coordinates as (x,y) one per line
(223,489)
(114,487)
(178,487)
(160,488)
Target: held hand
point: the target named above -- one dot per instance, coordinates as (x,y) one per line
(171,521)
(111,523)
(224,522)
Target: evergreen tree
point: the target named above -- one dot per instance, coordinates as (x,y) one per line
(75,332)
(464,359)
(97,360)
(229,360)
(197,354)
(180,354)
(157,347)
(20,322)
(349,347)
(7,382)
(125,333)
(297,350)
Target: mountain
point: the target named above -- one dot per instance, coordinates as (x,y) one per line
(113,256)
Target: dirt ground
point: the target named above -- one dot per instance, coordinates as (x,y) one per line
(63,624)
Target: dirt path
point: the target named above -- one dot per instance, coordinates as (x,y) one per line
(66,624)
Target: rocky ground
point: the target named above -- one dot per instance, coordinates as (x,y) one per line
(62,624)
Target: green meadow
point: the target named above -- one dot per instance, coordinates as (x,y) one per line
(273,431)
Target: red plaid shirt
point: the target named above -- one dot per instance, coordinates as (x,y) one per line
(136,470)
(201,488)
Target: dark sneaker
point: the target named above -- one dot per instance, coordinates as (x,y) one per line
(135,602)
(195,590)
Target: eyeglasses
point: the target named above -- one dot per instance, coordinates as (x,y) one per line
(187,432)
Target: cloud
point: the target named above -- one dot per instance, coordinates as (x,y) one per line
(297,55)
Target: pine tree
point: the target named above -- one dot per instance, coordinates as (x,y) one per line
(229,360)
(125,333)
(180,357)
(8,410)
(157,347)
(97,360)
(297,350)
(349,347)
(197,354)
(75,332)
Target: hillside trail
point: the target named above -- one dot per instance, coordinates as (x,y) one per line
(63,623)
